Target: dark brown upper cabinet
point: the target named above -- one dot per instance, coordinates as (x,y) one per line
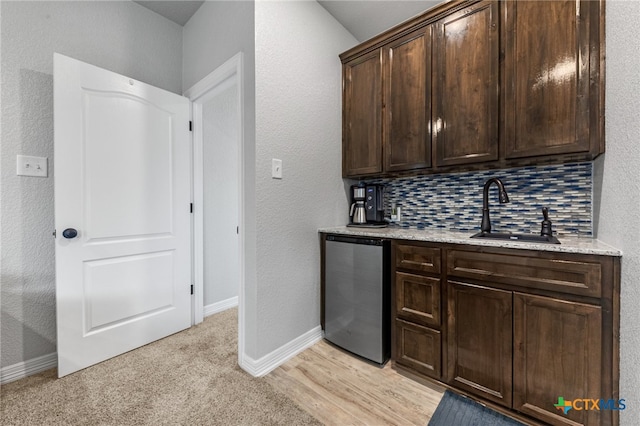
(387,108)
(477,84)
(466,85)
(362,115)
(407,102)
(552,89)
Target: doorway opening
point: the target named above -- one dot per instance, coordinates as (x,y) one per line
(218,186)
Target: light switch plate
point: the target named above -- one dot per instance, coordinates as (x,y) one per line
(31,166)
(276,168)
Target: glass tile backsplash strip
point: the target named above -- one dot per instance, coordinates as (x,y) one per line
(454,201)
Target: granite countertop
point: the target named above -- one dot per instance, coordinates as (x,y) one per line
(580,245)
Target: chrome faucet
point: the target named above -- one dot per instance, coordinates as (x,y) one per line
(504,198)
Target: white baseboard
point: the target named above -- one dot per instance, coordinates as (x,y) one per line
(223,305)
(28,368)
(271,361)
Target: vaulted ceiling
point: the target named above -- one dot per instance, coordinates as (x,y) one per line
(365,19)
(362,18)
(177,11)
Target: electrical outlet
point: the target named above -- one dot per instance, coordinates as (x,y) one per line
(31,166)
(276,168)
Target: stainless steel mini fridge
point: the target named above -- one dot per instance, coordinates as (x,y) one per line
(357,295)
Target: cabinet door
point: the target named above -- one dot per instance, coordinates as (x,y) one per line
(466,83)
(362,115)
(418,298)
(551,101)
(480,341)
(407,100)
(418,348)
(557,354)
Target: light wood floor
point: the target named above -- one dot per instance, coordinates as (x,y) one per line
(340,389)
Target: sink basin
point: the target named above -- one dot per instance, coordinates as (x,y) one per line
(528,238)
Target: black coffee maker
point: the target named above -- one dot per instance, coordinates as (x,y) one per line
(372,196)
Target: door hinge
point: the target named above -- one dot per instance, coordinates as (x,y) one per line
(54,233)
(190,207)
(191,288)
(191,126)
(237,230)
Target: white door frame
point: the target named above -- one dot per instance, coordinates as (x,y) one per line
(232,68)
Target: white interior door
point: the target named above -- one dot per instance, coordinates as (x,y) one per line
(122,181)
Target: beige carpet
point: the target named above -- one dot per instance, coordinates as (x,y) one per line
(189,378)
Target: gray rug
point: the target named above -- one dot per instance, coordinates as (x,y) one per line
(458,410)
(190,378)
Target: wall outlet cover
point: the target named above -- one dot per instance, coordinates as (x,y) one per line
(28,165)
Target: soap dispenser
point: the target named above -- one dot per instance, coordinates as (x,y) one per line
(546,230)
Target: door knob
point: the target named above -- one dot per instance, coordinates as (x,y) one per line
(69,233)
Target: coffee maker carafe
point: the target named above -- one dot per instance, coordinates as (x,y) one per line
(358,211)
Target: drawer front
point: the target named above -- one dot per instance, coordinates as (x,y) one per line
(417,258)
(566,276)
(418,348)
(418,299)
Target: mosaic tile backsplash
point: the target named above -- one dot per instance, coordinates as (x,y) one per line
(454,201)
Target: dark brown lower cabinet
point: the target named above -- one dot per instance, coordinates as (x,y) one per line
(480,341)
(418,298)
(515,328)
(417,308)
(556,345)
(419,348)
(557,353)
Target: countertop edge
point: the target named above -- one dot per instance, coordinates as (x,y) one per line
(567,244)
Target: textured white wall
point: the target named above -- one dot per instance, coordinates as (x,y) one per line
(120,36)
(298,120)
(217,31)
(617,185)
